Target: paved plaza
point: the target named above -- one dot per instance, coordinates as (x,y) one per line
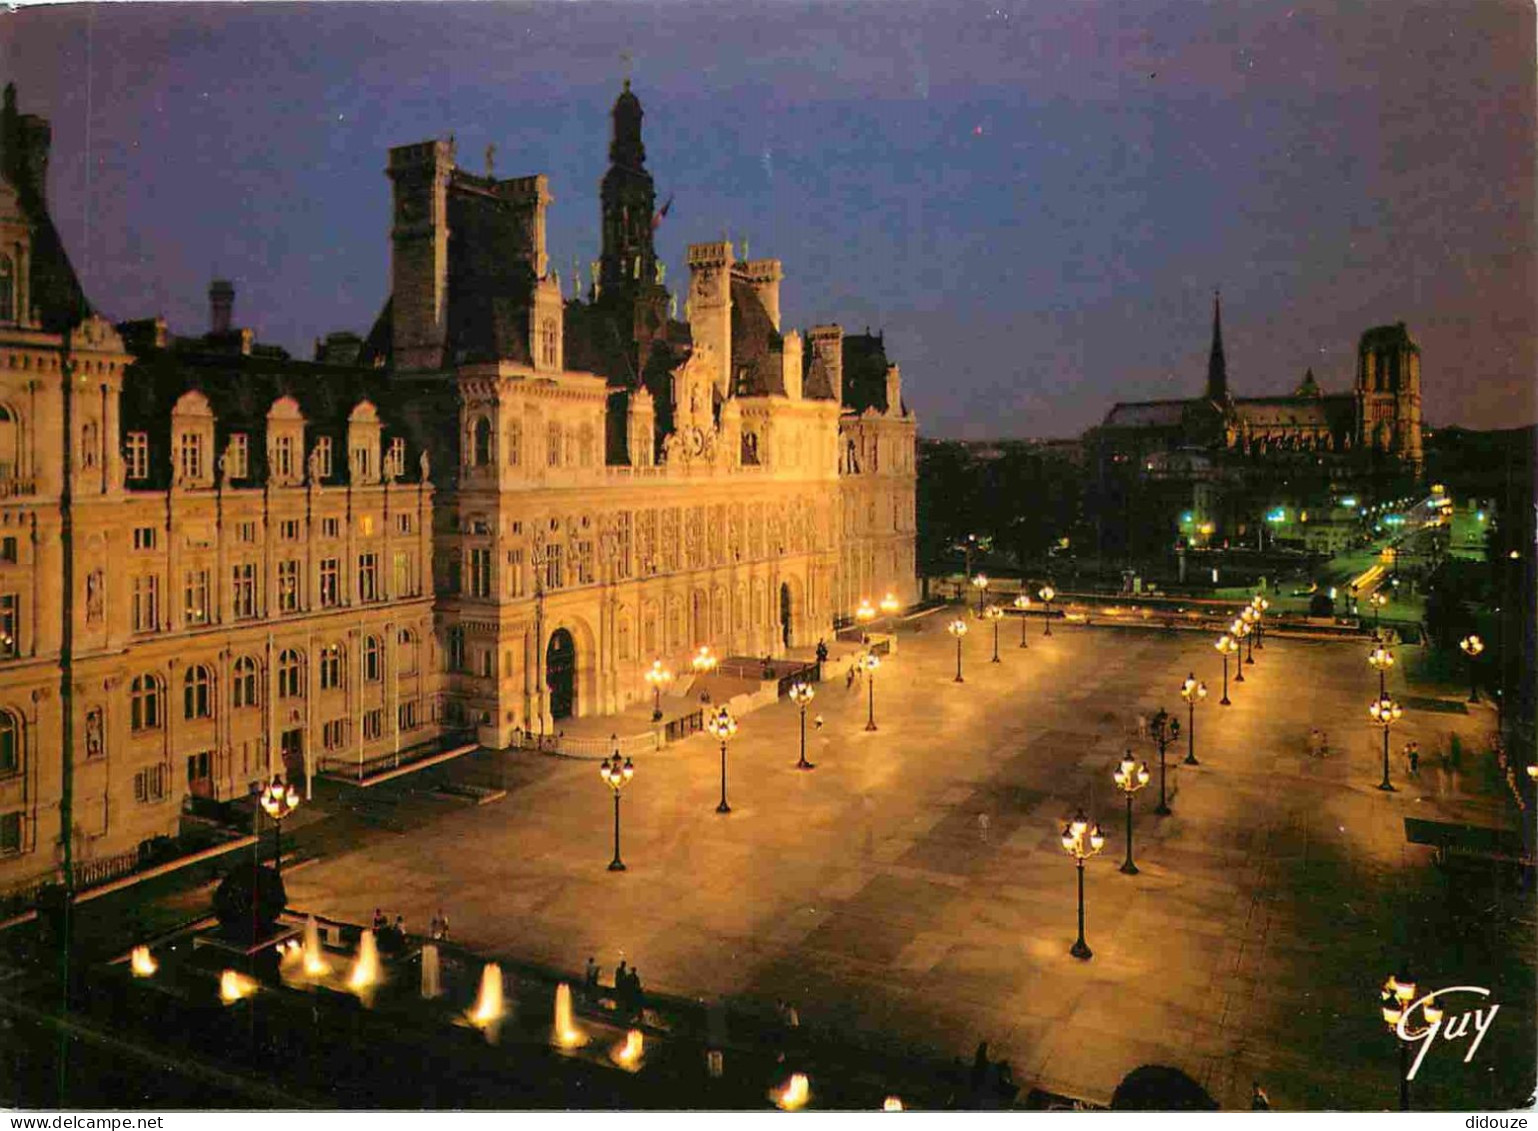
(912,888)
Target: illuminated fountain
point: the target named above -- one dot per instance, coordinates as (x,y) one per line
(365,968)
(627,1054)
(432,978)
(141,962)
(795,1093)
(566,1034)
(315,964)
(233,986)
(892,1103)
(489,1007)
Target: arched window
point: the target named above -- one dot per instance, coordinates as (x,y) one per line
(406,645)
(144,707)
(291,674)
(247,688)
(198,693)
(10,744)
(373,659)
(480,442)
(331,667)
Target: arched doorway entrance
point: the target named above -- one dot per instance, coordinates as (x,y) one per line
(561,674)
(785,614)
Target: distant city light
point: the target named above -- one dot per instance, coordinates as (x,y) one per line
(1278,515)
(1348,501)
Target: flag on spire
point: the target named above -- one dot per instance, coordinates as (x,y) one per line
(662,212)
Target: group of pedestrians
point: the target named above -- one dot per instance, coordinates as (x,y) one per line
(628,996)
(393,935)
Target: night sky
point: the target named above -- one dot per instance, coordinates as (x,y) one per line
(1033,200)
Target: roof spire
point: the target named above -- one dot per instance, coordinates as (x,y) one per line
(1217,367)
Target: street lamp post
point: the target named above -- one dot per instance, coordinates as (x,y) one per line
(1385,713)
(278,801)
(616,775)
(1193,692)
(1023,603)
(1378,600)
(1260,605)
(658,676)
(980,583)
(995,613)
(704,661)
(1238,630)
(864,615)
(1251,618)
(1081,840)
(1130,777)
(870,662)
(958,629)
(722,726)
(801,694)
(1472,646)
(1381,659)
(1046,594)
(889,606)
(1397,995)
(1227,647)
(1163,729)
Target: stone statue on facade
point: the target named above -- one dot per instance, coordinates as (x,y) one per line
(423,466)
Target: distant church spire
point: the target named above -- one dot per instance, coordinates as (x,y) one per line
(629,202)
(1217,367)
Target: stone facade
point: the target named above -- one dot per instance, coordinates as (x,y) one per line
(493,512)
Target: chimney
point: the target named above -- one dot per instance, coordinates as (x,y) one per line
(221,307)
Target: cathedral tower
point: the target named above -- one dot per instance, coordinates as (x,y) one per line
(1388,394)
(629,200)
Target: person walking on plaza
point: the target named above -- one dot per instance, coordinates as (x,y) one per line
(590,977)
(1413,753)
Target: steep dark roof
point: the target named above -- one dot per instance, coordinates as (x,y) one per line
(1387,337)
(758,350)
(865,366)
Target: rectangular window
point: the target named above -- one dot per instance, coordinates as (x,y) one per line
(288,587)
(334,734)
(330,590)
(362,463)
(144,538)
(515,573)
(288,530)
(197,769)
(10,833)
(456,649)
(238,466)
(283,458)
(486,662)
(555,576)
(480,572)
(366,525)
(8,551)
(190,455)
(245,532)
(195,597)
(330,527)
(368,577)
(585,563)
(150,785)
(403,524)
(373,724)
(405,583)
(397,457)
(406,715)
(136,455)
(553,446)
(243,591)
(146,603)
(323,457)
(10,625)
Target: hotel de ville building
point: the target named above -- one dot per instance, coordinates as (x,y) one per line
(492,512)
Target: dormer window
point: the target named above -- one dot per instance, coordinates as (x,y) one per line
(189,456)
(192,437)
(323,457)
(283,457)
(7,289)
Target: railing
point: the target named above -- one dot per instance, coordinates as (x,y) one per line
(683,726)
(581,747)
(807,673)
(12,486)
(353,768)
(89,873)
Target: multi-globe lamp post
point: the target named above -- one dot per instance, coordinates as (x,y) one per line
(801,694)
(1380,659)
(1193,692)
(1047,593)
(1081,840)
(869,663)
(1226,648)
(659,677)
(704,661)
(1384,713)
(889,606)
(1238,630)
(1164,729)
(1397,995)
(1130,776)
(278,800)
(864,615)
(616,775)
(1378,600)
(1260,605)
(958,629)
(1472,646)
(1251,617)
(980,583)
(1023,603)
(722,727)
(994,613)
